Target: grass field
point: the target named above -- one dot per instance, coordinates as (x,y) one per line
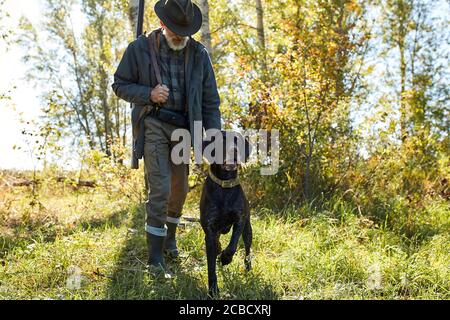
(90,245)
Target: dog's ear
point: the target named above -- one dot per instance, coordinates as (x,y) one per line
(205,143)
(244,147)
(210,140)
(248,149)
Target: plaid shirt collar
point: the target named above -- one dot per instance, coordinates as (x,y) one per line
(172,73)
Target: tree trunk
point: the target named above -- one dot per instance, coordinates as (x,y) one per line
(403,12)
(206,30)
(261,35)
(403,117)
(307,189)
(104,84)
(133,13)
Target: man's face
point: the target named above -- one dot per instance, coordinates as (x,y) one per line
(175,41)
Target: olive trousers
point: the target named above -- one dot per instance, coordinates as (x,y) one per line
(167,183)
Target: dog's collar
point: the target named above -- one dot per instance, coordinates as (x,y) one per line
(227,184)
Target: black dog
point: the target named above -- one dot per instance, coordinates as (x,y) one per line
(224,206)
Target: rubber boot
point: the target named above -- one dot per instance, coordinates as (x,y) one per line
(155,252)
(170,244)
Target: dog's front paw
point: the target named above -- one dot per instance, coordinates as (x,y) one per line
(248,263)
(226,257)
(213,292)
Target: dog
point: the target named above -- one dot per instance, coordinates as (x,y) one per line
(223,206)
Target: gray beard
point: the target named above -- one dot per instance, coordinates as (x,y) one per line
(174,46)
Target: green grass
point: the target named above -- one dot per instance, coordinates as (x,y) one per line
(98,239)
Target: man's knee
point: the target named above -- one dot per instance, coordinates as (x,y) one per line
(158,199)
(180,179)
(159,190)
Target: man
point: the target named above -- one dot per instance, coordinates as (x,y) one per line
(188,91)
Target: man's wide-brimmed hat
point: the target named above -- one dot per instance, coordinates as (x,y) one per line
(181,16)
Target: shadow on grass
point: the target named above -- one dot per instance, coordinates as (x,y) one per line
(114,220)
(44,230)
(247,286)
(131,280)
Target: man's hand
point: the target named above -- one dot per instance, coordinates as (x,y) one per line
(159,94)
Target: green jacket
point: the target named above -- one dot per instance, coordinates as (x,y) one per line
(135,78)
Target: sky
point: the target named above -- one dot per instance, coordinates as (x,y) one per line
(25,98)
(25,104)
